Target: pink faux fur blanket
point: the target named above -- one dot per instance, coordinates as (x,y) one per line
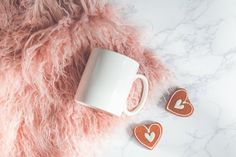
(44,46)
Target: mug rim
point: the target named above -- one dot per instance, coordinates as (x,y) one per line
(117,54)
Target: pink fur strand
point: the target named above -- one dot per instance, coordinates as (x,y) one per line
(44,47)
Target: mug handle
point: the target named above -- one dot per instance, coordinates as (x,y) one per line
(143,97)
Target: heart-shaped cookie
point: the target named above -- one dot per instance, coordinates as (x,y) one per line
(148,135)
(179,103)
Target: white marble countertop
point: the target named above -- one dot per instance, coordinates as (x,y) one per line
(196,39)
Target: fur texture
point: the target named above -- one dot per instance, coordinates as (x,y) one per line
(44,46)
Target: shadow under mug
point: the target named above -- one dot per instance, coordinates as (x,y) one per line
(107,80)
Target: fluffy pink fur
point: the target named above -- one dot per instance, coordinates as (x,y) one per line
(44,46)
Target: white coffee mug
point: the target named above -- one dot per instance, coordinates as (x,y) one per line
(107,80)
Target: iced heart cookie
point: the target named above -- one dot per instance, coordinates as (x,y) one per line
(179,103)
(148,135)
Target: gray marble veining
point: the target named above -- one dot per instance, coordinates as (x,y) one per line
(196,39)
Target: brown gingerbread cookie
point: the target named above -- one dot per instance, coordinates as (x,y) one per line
(179,103)
(148,135)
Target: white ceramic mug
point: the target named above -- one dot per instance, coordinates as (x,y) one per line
(107,80)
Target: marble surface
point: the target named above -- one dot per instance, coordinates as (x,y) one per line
(196,39)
